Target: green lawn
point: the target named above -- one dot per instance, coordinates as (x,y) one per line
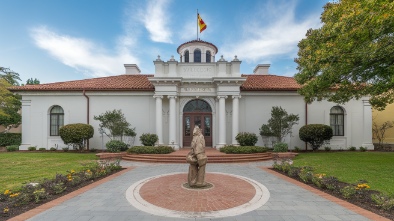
(375,167)
(20,167)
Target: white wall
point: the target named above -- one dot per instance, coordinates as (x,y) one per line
(138,109)
(255,110)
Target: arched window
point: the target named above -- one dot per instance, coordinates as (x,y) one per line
(187,56)
(197,105)
(208,57)
(56,120)
(197,56)
(337,119)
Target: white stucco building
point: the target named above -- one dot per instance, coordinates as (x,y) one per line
(197,89)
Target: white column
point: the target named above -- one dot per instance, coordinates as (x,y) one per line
(222,121)
(26,128)
(367,121)
(172,122)
(159,118)
(235,118)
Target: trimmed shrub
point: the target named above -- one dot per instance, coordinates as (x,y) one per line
(246,139)
(65,149)
(363,149)
(12,148)
(243,149)
(327,148)
(148,139)
(114,146)
(352,148)
(52,149)
(280,147)
(315,134)
(32,148)
(7,139)
(42,149)
(76,134)
(150,150)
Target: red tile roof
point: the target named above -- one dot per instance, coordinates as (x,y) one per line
(112,83)
(269,83)
(141,83)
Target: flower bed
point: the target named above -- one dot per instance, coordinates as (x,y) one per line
(31,195)
(358,193)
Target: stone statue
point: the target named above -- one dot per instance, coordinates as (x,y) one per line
(197,159)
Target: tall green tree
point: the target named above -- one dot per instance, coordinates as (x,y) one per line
(280,124)
(114,124)
(10,105)
(10,76)
(351,55)
(32,81)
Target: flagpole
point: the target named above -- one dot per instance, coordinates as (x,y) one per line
(197,24)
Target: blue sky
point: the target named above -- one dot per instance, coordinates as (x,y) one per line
(61,40)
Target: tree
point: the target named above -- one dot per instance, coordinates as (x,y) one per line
(315,134)
(352,54)
(116,124)
(379,131)
(31,81)
(10,76)
(280,124)
(76,134)
(10,105)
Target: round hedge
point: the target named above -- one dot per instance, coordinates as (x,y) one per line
(75,134)
(148,139)
(246,139)
(114,146)
(315,134)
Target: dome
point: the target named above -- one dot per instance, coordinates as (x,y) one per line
(197,51)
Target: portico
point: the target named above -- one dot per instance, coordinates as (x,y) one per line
(209,83)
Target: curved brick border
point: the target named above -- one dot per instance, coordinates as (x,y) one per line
(137,193)
(347,205)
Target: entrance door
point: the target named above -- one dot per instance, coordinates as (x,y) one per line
(203,121)
(197,113)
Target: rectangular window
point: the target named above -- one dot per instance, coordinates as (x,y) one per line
(337,124)
(57,121)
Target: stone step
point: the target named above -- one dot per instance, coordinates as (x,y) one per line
(225,158)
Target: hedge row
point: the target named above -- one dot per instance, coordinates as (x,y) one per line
(243,149)
(7,139)
(150,150)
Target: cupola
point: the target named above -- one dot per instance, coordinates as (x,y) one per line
(197,51)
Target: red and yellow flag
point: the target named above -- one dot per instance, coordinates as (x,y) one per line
(201,23)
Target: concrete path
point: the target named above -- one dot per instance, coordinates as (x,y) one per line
(287,201)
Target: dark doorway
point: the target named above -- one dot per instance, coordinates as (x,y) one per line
(197,113)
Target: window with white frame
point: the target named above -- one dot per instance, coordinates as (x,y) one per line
(56,120)
(337,120)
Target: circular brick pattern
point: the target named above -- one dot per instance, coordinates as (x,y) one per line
(230,195)
(167,192)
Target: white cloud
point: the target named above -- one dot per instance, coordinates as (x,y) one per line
(155,19)
(83,54)
(275,32)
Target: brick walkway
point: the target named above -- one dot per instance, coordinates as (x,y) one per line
(287,200)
